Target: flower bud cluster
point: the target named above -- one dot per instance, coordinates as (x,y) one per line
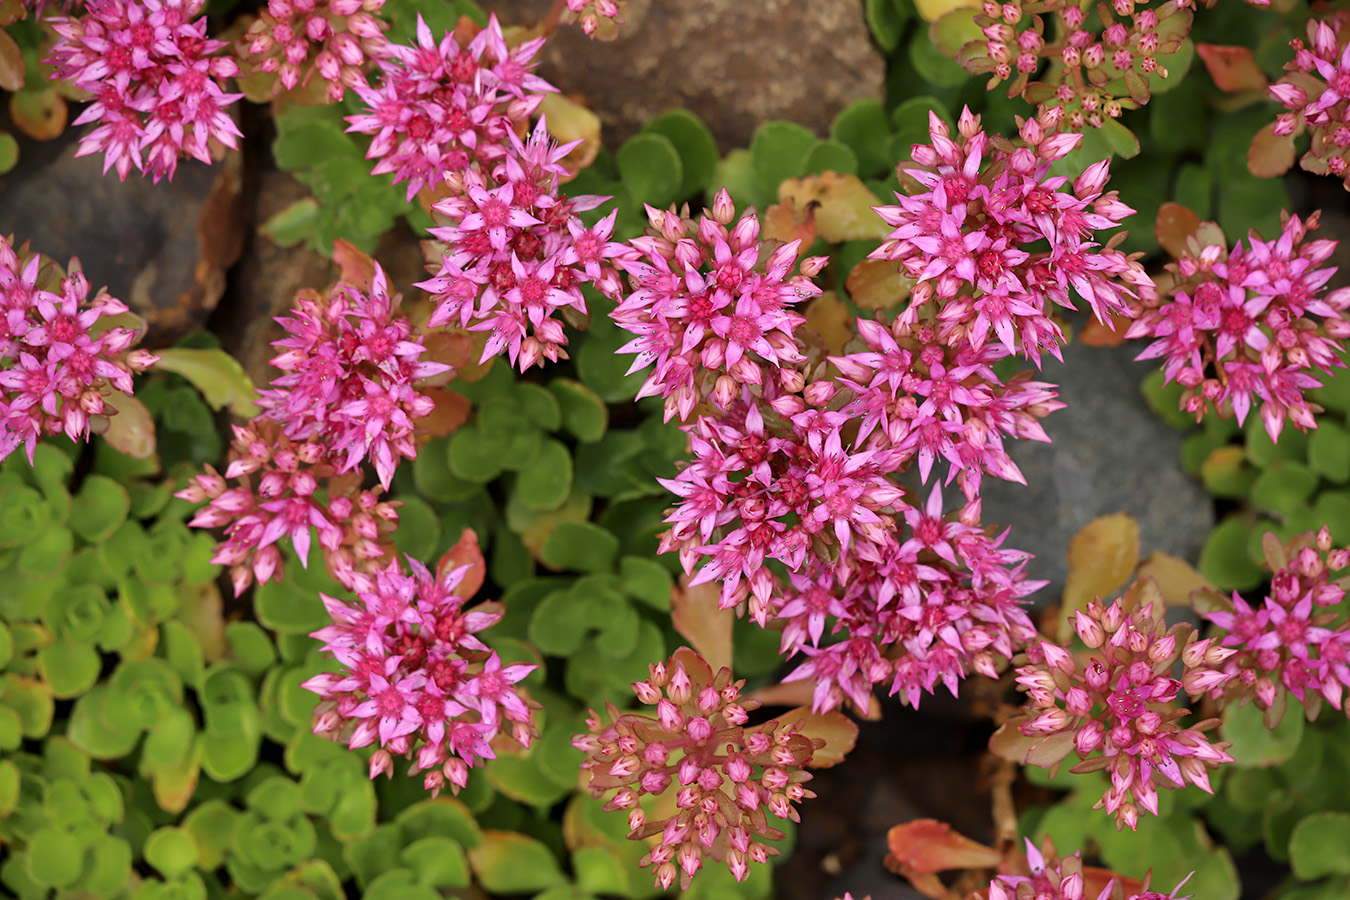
(724,774)
(441,106)
(1316,91)
(1249,326)
(1114,706)
(298,39)
(600,19)
(1093,75)
(1066,879)
(55,371)
(156,80)
(415,677)
(354,526)
(711,306)
(1296,641)
(515,254)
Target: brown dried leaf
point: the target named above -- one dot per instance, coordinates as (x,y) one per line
(40,114)
(786,222)
(694,613)
(1270,155)
(466,552)
(1175,223)
(837,730)
(12,69)
(1233,69)
(878,284)
(569,120)
(828,317)
(1175,577)
(1101,557)
(930,846)
(1095,334)
(842,205)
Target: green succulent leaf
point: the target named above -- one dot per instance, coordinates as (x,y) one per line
(581,547)
(23,515)
(546,483)
(55,858)
(779,151)
(474,456)
(172,851)
(1318,845)
(219,377)
(510,863)
(100,508)
(233,730)
(863,126)
(46,554)
(650,167)
(1224,559)
(887,19)
(1256,745)
(69,668)
(1329,451)
(584,414)
(695,145)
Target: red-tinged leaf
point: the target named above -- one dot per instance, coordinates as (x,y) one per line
(1050,751)
(11,63)
(132,429)
(1270,155)
(694,613)
(1175,223)
(452,411)
(841,204)
(355,266)
(837,730)
(466,552)
(930,846)
(1233,69)
(786,222)
(696,666)
(1137,86)
(461,349)
(1095,334)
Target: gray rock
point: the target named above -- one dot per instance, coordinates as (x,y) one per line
(1110,454)
(735,64)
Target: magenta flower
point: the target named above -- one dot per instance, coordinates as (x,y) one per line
(1064,880)
(415,679)
(156,80)
(962,239)
(440,107)
(54,374)
(1292,642)
(1250,327)
(599,19)
(725,775)
(1316,93)
(516,254)
(351,365)
(1115,707)
(706,312)
(298,39)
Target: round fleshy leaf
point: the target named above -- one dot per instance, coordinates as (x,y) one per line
(474,456)
(210,825)
(94,731)
(233,729)
(694,143)
(55,858)
(99,509)
(11,729)
(77,614)
(650,167)
(1283,487)
(510,863)
(172,851)
(1318,846)
(419,528)
(831,156)
(47,553)
(1224,559)
(546,482)
(111,866)
(9,152)
(1256,745)
(283,608)
(538,406)
(6,645)
(581,547)
(69,668)
(23,515)
(522,780)
(438,861)
(778,152)
(863,126)
(584,414)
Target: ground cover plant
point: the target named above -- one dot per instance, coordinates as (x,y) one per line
(558,569)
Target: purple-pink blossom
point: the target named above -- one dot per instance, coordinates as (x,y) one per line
(1316,93)
(415,679)
(156,79)
(299,39)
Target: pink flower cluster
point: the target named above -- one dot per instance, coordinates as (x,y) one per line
(1090,63)
(516,254)
(1295,641)
(709,312)
(54,371)
(962,238)
(441,107)
(727,773)
(1118,703)
(353,525)
(297,39)
(1316,91)
(600,19)
(416,678)
(350,365)
(1063,880)
(347,396)
(1249,326)
(156,82)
